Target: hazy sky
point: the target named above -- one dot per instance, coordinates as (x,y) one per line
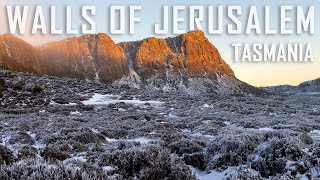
(259,74)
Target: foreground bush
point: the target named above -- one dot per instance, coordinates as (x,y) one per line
(233,151)
(147,162)
(272,157)
(34,169)
(6,156)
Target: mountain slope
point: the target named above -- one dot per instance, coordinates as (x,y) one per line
(18,55)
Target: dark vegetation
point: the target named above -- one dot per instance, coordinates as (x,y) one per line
(47,133)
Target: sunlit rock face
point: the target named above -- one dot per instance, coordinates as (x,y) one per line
(92,57)
(187,55)
(188,60)
(86,57)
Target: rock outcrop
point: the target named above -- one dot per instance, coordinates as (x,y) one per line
(187,55)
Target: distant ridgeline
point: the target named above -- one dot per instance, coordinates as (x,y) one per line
(188,61)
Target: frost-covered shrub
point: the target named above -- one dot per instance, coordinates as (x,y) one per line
(6,156)
(2,86)
(27,152)
(230,152)
(179,170)
(272,156)
(269,166)
(2,82)
(116,133)
(196,160)
(42,171)
(269,135)
(89,137)
(69,146)
(18,85)
(37,89)
(242,174)
(316,152)
(54,154)
(169,136)
(146,162)
(184,146)
(21,138)
(127,144)
(306,138)
(281,148)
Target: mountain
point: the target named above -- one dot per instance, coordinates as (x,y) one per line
(87,57)
(188,62)
(187,55)
(311,84)
(18,55)
(307,87)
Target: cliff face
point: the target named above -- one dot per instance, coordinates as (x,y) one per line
(187,60)
(185,56)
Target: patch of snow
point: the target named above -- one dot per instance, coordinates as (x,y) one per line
(97,78)
(42,111)
(7,48)
(107,168)
(75,113)
(111,139)
(53,103)
(5,140)
(142,140)
(38,145)
(315,135)
(99,99)
(94,130)
(207,106)
(309,93)
(172,115)
(198,134)
(80,158)
(69,104)
(72,104)
(266,129)
(213,175)
(207,122)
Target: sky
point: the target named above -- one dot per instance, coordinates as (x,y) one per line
(258,74)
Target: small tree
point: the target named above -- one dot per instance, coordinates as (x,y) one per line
(2,84)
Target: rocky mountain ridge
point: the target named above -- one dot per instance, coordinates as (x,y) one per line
(187,61)
(306,87)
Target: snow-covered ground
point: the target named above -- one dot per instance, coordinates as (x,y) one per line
(99,99)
